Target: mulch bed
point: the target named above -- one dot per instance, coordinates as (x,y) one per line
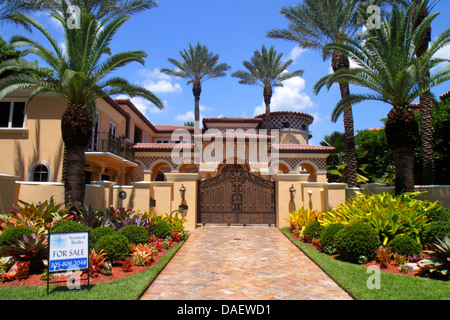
(117,273)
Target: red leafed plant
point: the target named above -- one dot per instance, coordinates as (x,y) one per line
(384,256)
(127,264)
(23,270)
(177,236)
(96,262)
(156,242)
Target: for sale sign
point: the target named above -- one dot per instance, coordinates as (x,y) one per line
(68,251)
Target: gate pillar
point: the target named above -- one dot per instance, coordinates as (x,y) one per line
(190,183)
(284,203)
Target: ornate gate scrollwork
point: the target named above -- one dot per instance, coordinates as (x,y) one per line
(237,197)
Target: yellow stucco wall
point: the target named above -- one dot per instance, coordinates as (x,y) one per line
(40,141)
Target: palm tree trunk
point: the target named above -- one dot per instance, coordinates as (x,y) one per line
(76,128)
(267,98)
(197,90)
(401,127)
(426,129)
(425,113)
(340,61)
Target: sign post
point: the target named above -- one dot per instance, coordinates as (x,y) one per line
(68,251)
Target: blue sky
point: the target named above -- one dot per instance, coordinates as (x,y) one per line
(233,29)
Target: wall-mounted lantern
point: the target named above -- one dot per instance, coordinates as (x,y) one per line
(183,192)
(292,192)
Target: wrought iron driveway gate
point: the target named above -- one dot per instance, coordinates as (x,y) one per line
(237,197)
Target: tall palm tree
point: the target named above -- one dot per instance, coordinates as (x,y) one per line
(102,8)
(8,8)
(198,65)
(422,10)
(266,69)
(314,24)
(80,75)
(388,66)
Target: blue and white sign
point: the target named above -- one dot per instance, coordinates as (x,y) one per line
(68,251)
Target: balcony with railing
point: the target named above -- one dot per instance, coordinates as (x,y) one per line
(106,142)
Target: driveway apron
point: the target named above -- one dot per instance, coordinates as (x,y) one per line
(242,263)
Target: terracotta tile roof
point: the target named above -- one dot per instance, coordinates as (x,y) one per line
(232,120)
(445,95)
(283,148)
(170,127)
(161,146)
(287,113)
(303,148)
(235,135)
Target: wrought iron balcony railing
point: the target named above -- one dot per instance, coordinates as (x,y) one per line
(106,142)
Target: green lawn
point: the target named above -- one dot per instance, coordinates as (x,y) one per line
(128,288)
(353,278)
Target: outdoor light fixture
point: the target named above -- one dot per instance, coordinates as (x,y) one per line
(183,192)
(292,192)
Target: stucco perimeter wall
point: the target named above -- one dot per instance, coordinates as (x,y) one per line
(165,197)
(432,193)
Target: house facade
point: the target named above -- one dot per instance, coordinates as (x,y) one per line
(229,171)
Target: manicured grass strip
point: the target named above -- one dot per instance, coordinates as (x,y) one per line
(353,278)
(128,288)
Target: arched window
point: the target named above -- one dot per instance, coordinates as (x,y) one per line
(40,173)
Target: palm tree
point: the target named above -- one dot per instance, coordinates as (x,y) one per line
(102,8)
(266,69)
(80,75)
(314,24)
(388,66)
(421,11)
(198,65)
(8,8)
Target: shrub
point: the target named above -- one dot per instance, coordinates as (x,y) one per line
(11,235)
(98,233)
(300,218)
(355,240)
(135,234)
(68,226)
(162,229)
(437,266)
(33,248)
(36,216)
(327,237)
(388,214)
(313,230)
(436,229)
(116,246)
(440,215)
(404,245)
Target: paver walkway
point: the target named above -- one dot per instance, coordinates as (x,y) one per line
(242,263)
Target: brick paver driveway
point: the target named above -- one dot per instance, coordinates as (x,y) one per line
(242,263)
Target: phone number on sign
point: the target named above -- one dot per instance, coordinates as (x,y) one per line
(61,265)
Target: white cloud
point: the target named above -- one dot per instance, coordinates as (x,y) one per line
(144,105)
(154,74)
(188,116)
(158,82)
(161,86)
(296,52)
(288,98)
(443,53)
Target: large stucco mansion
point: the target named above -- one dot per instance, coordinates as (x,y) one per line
(130,162)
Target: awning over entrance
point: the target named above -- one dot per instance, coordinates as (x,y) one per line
(109,159)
